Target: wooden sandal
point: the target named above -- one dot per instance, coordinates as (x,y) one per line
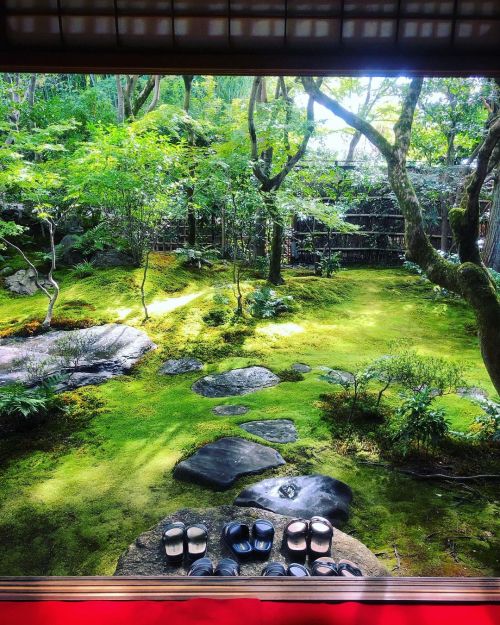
(173,542)
(295,537)
(320,537)
(196,541)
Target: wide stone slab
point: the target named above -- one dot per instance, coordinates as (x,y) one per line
(230,411)
(303,496)
(274,431)
(301,367)
(145,556)
(236,382)
(182,365)
(219,464)
(99,353)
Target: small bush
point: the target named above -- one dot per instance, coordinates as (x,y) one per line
(265,303)
(261,266)
(486,426)
(290,375)
(23,408)
(237,334)
(216,317)
(339,407)
(83,269)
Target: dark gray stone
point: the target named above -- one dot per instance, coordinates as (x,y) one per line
(301,367)
(183,365)
(219,464)
(274,431)
(339,377)
(106,351)
(235,382)
(304,496)
(23,282)
(145,556)
(229,411)
(69,255)
(6,271)
(112,258)
(473,392)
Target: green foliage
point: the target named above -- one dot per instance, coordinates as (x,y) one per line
(290,375)
(217,317)
(265,303)
(330,263)
(486,426)
(83,269)
(419,425)
(22,408)
(338,407)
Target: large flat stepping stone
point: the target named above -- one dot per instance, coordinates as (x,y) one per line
(230,411)
(104,352)
(301,367)
(219,464)
(275,431)
(304,496)
(182,365)
(235,382)
(145,556)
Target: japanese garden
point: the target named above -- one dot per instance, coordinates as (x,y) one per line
(229,293)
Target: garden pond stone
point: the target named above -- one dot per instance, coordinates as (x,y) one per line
(183,365)
(235,382)
(218,465)
(274,431)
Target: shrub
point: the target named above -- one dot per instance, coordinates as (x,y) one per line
(22,408)
(83,269)
(328,265)
(290,375)
(261,266)
(216,317)
(264,303)
(486,426)
(419,425)
(196,258)
(339,407)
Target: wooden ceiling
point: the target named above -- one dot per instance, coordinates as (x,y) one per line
(244,36)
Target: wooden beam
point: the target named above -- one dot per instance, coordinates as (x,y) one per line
(314,589)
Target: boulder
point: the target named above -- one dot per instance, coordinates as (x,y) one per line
(6,271)
(338,376)
(304,496)
(219,464)
(274,431)
(183,365)
(235,382)
(69,255)
(475,393)
(23,282)
(111,258)
(229,411)
(106,351)
(145,556)
(301,367)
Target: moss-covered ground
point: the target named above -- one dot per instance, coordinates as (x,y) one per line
(76,491)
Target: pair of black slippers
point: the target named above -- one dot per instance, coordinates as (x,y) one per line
(245,543)
(182,542)
(312,537)
(322,567)
(204,568)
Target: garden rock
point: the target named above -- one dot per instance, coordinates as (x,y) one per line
(6,271)
(229,411)
(473,392)
(219,464)
(304,496)
(183,365)
(23,282)
(69,255)
(112,350)
(274,431)
(301,367)
(236,382)
(111,258)
(338,376)
(146,556)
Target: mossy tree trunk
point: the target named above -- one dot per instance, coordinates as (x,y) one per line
(470,278)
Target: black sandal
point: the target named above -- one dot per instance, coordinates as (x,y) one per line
(320,537)
(324,567)
(274,569)
(298,570)
(227,567)
(346,568)
(173,542)
(201,568)
(262,537)
(236,537)
(295,538)
(196,541)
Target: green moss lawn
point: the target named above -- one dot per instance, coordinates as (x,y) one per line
(76,491)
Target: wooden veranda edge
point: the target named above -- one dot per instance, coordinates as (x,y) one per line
(381,589)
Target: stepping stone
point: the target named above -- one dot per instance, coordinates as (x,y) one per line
(473,392)
(146,555)
(275,431)
(229,411)
(219,464)
(183,365)
(235,382)
(304,496)
(301,367)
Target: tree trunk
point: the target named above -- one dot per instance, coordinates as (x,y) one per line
(120,102)
(275,276)
(55,292)
(143,284)
(491,253)
(260,235)
(356,137)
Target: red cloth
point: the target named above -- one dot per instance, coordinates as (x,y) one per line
(243,612)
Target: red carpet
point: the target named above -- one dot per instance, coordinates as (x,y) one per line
(242,612)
